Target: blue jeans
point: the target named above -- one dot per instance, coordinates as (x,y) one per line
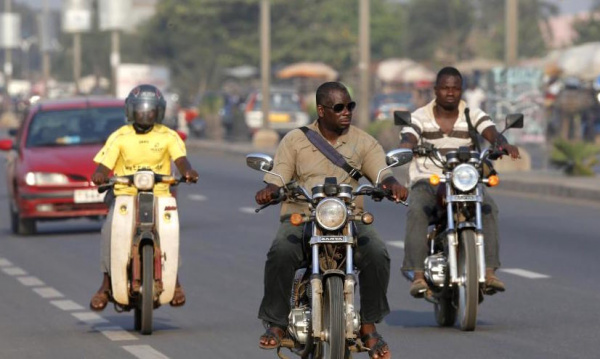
(422,205)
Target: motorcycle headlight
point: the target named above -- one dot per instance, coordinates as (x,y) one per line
(331,214)
(465,177)
(143,180)
(45,179)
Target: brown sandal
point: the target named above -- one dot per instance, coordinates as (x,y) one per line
(99,301)
(380,348)
(272,333)
(178,298)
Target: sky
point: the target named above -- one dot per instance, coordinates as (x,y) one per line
(566,6)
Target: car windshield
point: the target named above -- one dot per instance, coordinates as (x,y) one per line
(281,101)
(74,127)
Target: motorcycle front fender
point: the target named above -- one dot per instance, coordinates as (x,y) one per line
(121,233)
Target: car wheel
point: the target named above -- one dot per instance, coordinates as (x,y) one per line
(22,226)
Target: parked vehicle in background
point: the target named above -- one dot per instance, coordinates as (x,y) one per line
(49,164)
(286,111)
(383,105)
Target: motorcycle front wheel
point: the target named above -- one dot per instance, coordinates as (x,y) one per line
(468,289)
(143,311)
(334,323)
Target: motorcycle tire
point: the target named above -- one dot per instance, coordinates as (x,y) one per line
(334,323)
(145,308)
(445,312)
(468,291)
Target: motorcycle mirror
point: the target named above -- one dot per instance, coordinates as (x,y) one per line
(402,118)
(398,157)
(259,162)
(514,120)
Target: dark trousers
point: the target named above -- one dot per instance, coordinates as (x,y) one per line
(286,255)
(422,204)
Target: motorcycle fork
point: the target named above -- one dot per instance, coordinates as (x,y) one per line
(479,237)
(316,285)
(349,285)
(451,237)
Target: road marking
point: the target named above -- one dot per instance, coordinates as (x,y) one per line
(48,292)
(250,210)
(144,352)
(116,334)
(524,273)
(66,304)
(399,244)
(197,197)
(30,281)
(89,317)
(5,262)
(14,271)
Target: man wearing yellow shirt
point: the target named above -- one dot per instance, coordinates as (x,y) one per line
(143,144)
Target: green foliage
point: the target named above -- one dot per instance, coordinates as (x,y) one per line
(385,132)
(576,158)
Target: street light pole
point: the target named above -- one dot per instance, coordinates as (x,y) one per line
(8,54)
(76,60)
(364,63)
(45,50)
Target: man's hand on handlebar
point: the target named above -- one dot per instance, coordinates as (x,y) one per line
(191,176)
(399,192)
(511,150)
(267,194)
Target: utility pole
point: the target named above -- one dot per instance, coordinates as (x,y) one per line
(265,137)
(512,31)
(115,58)
(45,48)
(76,60)
(8,55)
(364,63)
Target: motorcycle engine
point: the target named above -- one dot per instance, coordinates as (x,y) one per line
(435,269)
(299,323)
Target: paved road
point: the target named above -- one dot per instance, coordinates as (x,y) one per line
(549,254)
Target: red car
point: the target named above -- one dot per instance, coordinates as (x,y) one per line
(50,163)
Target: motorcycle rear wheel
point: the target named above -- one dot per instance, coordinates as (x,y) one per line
(468,290)
(144,310)
(333,321)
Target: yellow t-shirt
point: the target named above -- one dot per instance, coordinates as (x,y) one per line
(126,152)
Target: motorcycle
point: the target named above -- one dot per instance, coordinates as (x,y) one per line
(455,267)
(144,248)
(323,321)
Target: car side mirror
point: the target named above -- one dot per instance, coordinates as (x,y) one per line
(514,120)
(402,118)
(6,145)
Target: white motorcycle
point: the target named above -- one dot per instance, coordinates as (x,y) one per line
(144,248)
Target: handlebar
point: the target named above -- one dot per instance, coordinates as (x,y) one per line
(377,193)
(128,180)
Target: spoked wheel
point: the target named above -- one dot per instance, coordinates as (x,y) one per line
(468,290)
(334,323)
(143,312)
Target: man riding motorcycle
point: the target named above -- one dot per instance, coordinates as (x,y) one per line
(443,123)
(297,159)
(143,144)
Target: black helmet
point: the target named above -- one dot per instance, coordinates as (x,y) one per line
(145,106)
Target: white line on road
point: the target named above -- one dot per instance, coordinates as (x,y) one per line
(399,244)
(14,271)
(116,333)
(48,292)
(5,262)
(66,304)
(144,352)
(89,317)
(197,197)
(524,273)
(30,281)
(247,210)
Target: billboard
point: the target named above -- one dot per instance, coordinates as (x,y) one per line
(10,30)
(131,75)
(114,14)
(77,16)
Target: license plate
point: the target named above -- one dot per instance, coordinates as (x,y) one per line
(332,239)
(279,117)
(88,196)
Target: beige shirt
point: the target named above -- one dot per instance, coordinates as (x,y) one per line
(298,159)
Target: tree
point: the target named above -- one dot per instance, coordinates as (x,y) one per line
(588,30)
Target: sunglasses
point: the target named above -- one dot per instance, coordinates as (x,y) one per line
(339,107)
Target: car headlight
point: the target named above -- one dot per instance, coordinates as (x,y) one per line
(331,214)
(45,179)
(143,180)
(465,177)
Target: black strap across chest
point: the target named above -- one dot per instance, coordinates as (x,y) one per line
(328,151)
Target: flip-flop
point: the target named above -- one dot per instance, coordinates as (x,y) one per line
(178,298)
(272,334)
(99,301)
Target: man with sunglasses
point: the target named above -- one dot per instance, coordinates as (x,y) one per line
(298,159)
